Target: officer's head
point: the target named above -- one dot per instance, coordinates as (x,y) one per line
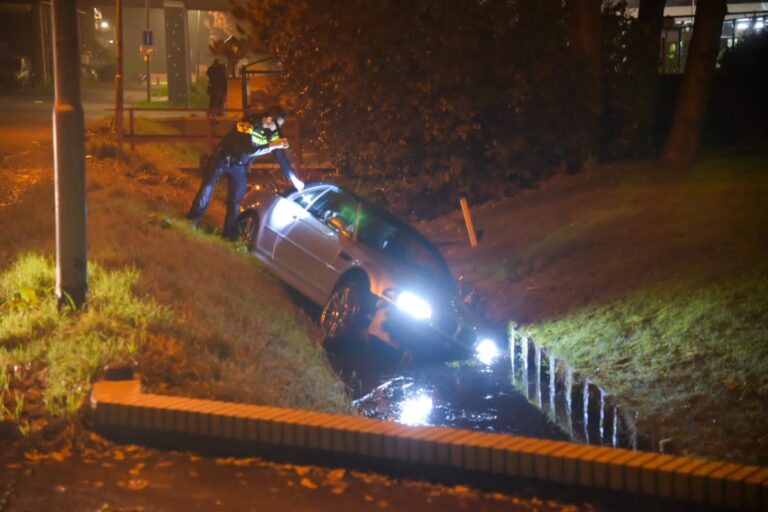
(273,118)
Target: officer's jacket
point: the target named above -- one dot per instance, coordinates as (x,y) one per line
(248,139)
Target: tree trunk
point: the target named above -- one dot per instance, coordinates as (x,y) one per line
(650,22)
(585,32)
(685,134)
(651,15)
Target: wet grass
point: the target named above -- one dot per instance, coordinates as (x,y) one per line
(689,357)
(197,98)
(687,350)
(49,356)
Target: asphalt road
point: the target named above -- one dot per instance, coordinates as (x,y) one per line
(27,117)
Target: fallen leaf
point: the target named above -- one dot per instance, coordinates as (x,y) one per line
(118,455)
(301,470)
(137,469)
(98,484)
(336,474)
(137,484)
(340,489)
(309,484)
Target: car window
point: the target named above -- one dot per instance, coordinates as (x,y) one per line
(335,203)
(400,243)
(305,198)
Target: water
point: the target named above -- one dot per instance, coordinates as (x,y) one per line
(526,392)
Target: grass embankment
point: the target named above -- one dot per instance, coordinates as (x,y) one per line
(198,316)
(66,348)
(688,356)
(654,283)
(197,98)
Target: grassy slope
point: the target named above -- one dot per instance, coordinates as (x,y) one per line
(650,281)
(236,332)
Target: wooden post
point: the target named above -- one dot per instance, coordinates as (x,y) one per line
(131,129)
(468,222)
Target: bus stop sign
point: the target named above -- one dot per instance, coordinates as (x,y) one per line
(146,38)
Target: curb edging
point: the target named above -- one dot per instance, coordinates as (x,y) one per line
(122,405)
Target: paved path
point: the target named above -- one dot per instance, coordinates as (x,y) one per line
(125,477)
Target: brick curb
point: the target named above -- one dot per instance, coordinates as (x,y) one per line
(122,405)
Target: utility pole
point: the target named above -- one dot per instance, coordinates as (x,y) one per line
(119,73)
(69,159)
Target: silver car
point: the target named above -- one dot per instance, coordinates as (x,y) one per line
(370,272)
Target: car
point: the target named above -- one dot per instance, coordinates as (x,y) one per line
(371,273)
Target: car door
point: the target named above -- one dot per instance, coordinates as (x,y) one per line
(283,213)
(313,250)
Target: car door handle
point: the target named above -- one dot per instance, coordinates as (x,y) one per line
(343,255)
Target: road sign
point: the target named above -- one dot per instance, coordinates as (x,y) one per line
(146,38)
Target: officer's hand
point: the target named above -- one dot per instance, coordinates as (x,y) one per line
(279,144)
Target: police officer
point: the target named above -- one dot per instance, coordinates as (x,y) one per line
(253,136)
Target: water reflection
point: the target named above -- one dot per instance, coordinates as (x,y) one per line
(531,393)
(416,410)
(456,395)
(578,406)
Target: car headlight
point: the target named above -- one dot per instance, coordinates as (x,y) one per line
(414,305)
(487,352)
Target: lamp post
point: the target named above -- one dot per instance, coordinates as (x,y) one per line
(119,72)
(69,159)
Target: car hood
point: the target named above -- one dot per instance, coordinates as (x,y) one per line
(392,273)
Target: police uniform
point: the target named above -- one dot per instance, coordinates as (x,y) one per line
(244,143)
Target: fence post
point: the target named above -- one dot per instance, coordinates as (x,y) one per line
(299,146)
(131,130)
(468,222)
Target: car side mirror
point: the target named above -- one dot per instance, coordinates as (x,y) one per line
(339,225)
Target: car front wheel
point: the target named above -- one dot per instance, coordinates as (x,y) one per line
(248,226)
(345,312)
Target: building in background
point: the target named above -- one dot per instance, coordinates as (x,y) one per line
(743,19)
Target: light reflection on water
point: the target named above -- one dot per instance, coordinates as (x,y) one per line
(528,392)
(578,406)
(467,397)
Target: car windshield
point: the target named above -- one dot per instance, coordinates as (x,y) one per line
(375,229)
(400,242)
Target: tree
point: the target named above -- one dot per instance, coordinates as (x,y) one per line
(683,140)
(586,49)
(650,21)
(420,102)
